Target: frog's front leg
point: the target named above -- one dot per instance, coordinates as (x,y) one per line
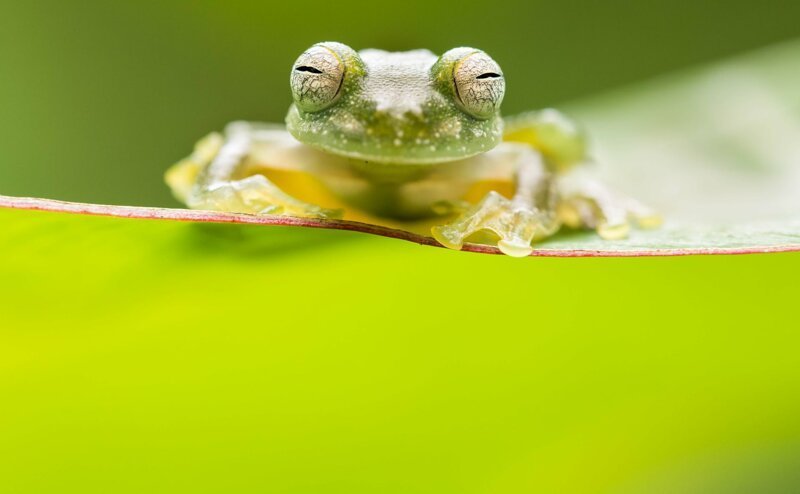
(583,201)
(528,215)
(213,178)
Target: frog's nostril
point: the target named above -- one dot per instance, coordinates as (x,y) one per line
(488,75)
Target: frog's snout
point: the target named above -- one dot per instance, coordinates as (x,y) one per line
(410,128)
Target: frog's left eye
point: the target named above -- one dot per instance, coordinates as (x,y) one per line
(479,84)
(316,79)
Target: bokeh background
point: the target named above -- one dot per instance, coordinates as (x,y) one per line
(97,98)
(154,357)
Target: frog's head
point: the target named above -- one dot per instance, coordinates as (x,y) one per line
(405,107)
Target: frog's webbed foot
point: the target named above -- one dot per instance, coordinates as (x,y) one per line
(516,224)
(528,216)
(586,203)
(255,195)
(218,185)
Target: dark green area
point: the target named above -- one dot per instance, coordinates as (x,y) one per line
(98,98)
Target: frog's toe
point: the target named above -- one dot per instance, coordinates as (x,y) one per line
(609,214)
(515,248)
(643,216)
(515,224)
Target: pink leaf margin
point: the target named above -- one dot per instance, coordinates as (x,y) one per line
(189,215)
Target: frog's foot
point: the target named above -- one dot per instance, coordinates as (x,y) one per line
(182,176)
(516,223)
(593,205)
(255,195)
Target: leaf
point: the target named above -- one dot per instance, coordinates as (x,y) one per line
(716,150)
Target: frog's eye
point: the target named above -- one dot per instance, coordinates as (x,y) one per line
(479,85)
(316,79)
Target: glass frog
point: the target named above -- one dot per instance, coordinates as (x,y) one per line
(411,140)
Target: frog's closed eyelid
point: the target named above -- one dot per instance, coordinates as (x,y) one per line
(478,84)
(317,78)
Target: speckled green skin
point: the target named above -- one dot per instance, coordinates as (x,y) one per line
(396,109)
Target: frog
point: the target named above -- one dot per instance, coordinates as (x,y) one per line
(410,138)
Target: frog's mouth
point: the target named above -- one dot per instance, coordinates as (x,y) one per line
(385,138)
(405,155)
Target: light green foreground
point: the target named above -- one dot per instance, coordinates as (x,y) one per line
(142,356)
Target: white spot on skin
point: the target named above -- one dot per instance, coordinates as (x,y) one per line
(347,123)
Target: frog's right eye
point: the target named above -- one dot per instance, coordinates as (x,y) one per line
(479,85)
(317,78)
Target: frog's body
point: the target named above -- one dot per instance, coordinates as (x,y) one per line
(406,136)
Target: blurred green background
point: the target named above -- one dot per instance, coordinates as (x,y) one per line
(141,356)
(97,98)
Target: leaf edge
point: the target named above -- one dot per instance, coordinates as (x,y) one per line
(202,216)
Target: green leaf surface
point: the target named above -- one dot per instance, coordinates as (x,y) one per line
(175,356)
(157,356)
